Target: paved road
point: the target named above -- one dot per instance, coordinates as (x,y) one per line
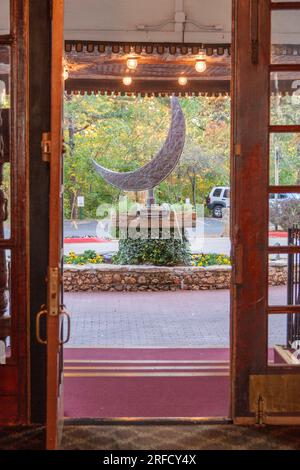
(83,228)
(158,319)
(207,240)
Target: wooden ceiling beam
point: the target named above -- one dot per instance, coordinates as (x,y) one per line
(148,87)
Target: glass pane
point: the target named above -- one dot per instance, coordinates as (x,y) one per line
(285,98)
(4,17)
(4,142)
(5,311)
(284,214)
(285,159)
(284,339)
(286,37)
(278,279)
(284,278)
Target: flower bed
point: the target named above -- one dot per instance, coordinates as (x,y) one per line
(211,259)
(88,257)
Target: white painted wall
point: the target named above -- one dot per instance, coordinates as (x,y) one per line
(119,20)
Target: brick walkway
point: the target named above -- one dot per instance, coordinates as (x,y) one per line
(157,319)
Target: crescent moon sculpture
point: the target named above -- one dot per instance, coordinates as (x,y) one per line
(161,165)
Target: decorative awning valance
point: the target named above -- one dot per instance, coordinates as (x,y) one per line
(99,67)
(146,48)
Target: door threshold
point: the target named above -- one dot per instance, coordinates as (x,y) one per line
(145,421)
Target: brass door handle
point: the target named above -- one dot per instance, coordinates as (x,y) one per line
(67,315)
(42,312)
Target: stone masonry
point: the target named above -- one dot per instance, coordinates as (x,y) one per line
(91,278)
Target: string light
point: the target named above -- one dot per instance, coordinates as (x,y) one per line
(127,81)
(182,81)
(201,66)
(132,63)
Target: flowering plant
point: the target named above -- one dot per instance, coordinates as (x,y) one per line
(210,259)
(88,257)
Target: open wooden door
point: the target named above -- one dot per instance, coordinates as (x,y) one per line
(266,163)
(55,311)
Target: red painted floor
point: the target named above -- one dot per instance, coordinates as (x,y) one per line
(146,383)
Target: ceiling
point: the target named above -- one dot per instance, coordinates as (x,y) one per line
(194,21)
(150,21)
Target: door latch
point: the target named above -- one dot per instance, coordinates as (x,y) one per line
(46,146)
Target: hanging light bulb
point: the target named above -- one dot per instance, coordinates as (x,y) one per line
(132,63)
(182,80)
(201,66)
(127,81)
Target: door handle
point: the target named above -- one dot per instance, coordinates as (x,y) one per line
(64,312)
(43,312)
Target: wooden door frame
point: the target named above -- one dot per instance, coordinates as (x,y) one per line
(249,293)
(54,413)
(250,152)
(15,375)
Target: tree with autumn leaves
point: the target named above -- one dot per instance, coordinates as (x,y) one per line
(123,133)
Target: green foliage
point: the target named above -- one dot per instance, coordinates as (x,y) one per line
(88,256)
(285,214)
(157,252)
(210,259)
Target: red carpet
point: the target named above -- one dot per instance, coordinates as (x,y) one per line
(150,383)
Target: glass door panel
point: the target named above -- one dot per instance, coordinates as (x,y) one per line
(4,17)
(284,189)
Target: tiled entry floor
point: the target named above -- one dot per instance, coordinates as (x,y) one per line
(157,319)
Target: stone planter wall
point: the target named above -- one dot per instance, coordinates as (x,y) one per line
(151,278)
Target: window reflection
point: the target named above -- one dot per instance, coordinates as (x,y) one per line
(5,314)
(285,98)
(285,159)
(4,142)
(4,17)
(286,37)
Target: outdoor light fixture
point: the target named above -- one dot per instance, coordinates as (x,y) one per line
(201,66)
(132,63)
(127,81)
(182,81)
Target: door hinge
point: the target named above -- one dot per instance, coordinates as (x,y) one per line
(260,411)
(237,150)
(237,256)
(46,146)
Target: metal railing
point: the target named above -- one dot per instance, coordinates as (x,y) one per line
(293,288)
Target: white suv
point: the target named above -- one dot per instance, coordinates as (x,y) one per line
(218,199)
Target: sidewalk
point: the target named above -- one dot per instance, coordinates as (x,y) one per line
(158,319)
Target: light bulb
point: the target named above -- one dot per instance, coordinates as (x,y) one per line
(132,63)
(200,66)
(182,81)
(127,81)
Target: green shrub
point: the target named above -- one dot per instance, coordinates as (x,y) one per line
(157,252)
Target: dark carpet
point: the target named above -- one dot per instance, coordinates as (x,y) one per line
(193,437)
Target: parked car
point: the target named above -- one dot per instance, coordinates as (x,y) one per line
(218,199)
